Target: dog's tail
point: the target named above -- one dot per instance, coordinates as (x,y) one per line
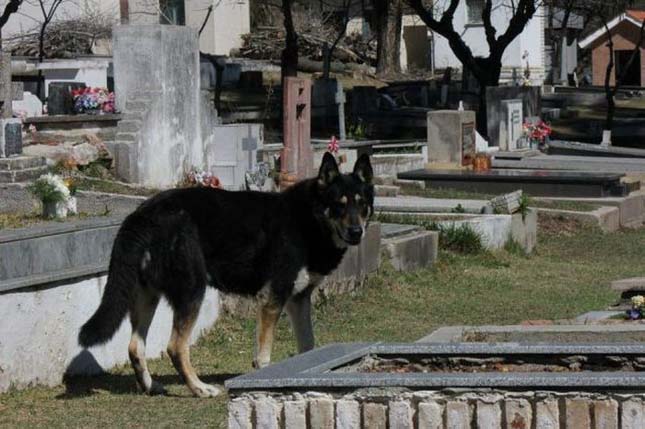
(123,277)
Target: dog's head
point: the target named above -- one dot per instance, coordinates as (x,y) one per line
(347,199)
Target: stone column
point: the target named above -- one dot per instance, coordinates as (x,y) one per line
(297,155)
(6,92)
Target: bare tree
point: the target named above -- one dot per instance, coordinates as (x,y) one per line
(48,8)
(486,70)
(388,16)
(329,50)
(289,63)
(559,37)
(9,9)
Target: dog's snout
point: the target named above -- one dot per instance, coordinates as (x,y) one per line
(355,232)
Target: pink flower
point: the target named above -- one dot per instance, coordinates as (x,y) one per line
(333,146)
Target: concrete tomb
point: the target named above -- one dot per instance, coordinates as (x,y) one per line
(451,138)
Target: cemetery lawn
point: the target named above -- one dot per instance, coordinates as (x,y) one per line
(568,275)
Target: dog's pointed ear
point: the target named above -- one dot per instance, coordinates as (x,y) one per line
(328,170)
(363,169)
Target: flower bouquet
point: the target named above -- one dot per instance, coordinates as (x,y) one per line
(93,100)
(202,178)
(536,133)
(638,308)
(55,194)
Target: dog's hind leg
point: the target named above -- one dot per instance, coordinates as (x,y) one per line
(179,351)
(299,310)
(141,314)
(268,315)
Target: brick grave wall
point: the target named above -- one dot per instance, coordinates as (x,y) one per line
(374,409)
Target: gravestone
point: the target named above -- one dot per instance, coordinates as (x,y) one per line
(233,153)
(328,105)
(495,111)
(451,138)
(60,100)
(30,105)
(10,137)
(511,129)
(296,161)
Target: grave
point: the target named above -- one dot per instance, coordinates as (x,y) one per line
(451,138)
(510,129)
(323,388)
(60,100)
(328,106)
(10,137)
(296,161)
(496,111)
(533,182)
(233,153)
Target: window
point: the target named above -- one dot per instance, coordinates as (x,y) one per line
(474,10)
(172,12)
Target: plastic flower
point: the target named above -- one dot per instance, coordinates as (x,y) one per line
(638,301)
(333,146)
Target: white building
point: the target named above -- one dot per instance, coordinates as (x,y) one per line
(527,48)
(421,48)
(223,30)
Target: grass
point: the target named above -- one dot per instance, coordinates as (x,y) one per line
(567,276)
(12,220)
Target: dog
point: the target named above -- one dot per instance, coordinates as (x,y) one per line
(278,246)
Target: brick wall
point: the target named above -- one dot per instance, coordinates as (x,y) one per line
(625,37)
(438,410)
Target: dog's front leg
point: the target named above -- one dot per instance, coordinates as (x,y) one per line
(268,315)
(299,310)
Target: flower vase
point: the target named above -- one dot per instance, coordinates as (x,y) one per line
(72,206)
(55,210)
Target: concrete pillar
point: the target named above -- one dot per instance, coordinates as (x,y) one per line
(297,155)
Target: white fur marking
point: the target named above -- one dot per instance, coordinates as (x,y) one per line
(145,261)
(302,281)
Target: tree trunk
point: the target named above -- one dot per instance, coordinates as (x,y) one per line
(389,16)
(289,62)
(41,57)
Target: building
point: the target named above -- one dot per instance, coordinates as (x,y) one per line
(227,21)
(625,31)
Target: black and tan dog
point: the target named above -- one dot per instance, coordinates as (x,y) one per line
(277,246)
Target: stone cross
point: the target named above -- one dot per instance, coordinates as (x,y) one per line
(297,154)
(249,144)
(340,101)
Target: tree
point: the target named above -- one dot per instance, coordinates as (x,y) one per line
(602,12)
(48,10)
(10,8)
(559,38)
(388,16)
(289,61)
(486,70)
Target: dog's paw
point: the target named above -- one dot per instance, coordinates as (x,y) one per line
(259,364)
(157,389)
(206,391)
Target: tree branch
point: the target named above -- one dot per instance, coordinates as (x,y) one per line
(488,26)
(10,8)
(208,15)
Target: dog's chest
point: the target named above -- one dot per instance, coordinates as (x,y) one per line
(304,279)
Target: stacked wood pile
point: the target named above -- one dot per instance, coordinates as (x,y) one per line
(267,43)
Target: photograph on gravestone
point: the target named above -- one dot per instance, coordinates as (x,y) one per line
(468,147)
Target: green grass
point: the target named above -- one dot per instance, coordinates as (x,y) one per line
(444,193)
(568,275)
(13,220)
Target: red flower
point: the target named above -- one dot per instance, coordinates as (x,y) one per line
(333,146)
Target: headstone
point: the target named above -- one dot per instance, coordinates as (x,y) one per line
(60,100)
(328,106)
(513,118)
(451,138)
(296,161)
(233,153)
(29,106)
(495,111)
(10,137)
